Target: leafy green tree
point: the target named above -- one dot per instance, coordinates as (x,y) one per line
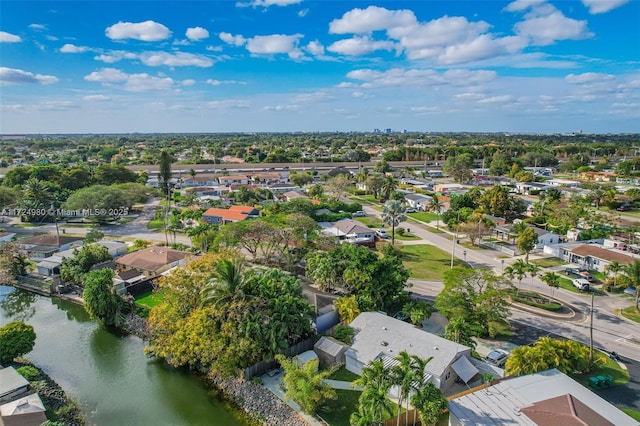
(100,299)
(526,241)
(389,186)
(7,196)
(227,285)
(13,263)
(343,333)
(305,385)
(476,296)
(519,270)
(500,163)
(497,201)
(108,174)
(430,403)
(551,279)
(73,269)
(97,200)
(16,176)
(614,268)
(417,311)
(16,339)
(93,236)
(459,167)
(460,330)
(301,179)
(382,167)
(347,307)
(393,213)
(375,183)
(337,186)
(568,356)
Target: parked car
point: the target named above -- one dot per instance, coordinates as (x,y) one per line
(381,233)
(581,284)
(630,291)
(587,276)
(573,272)
(625,207)
(411,210)
(359,213)
(497,357)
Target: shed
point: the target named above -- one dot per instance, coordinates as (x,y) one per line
(27,411)
(330,351)
(12,384)
(307,356)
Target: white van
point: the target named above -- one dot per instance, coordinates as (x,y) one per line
(581,284)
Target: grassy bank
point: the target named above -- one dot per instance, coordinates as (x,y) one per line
(426,262)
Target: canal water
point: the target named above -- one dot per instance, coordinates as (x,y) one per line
(107,374)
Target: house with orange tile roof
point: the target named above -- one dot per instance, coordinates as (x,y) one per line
(218,216)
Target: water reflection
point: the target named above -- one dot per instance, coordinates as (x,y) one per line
(17,305)
(74,311)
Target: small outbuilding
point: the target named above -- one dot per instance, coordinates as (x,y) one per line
(27,411)
(330,351)
(12,384)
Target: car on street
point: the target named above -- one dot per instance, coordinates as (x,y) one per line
(359,213)
(497,357)
(581,284)
(381,233)
(625,208)
(630,291)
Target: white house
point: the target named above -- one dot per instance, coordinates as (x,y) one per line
(417,201)
(349,230)
(545,398)
(51,265)
(528,187)
(379,336)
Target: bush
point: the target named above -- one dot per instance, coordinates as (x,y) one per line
(400,231)
(28,372)
(16,339)
(343,333)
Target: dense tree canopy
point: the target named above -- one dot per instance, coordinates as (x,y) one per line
(100,299)
(75,267)
(16,339)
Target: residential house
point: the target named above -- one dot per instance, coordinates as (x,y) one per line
(26,411)
(527,188)
(12,384)
(152,261)
(417,201)
(50,267)
(545,398)
(448,188)
(233,180)
(45,245)
(280,188)
(497,221)
(199,181)
(381,337)
(563,182)
(219,216)
(595,256)
(355,232)
(292,195)
(330,351)
(270,178)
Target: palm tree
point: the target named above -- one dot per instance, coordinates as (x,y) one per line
(393,212)
(389,186)
(614,267)
(429,403)
(436,206)
(227,285)
(551,279)
(518,270)
(533,270)
(418,371)
(402,375)
(373,402)
(632,272)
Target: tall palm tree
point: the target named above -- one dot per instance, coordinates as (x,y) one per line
(429,403)
(402,375)
(533,271)
(518,270)
(227,285)
(436,206)
(551,279)
(373,402)
(389,186)
(632,272)
(614,267)
(393,212)
(418,371)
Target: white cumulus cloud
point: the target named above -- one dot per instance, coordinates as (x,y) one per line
(315,48)
(267,3)
(18,76)
(373,18)
(188,82)
(38,27)
(359,46)
(72,48)
(6,37)
(96,98)
(144,31)
(142,82)
(603,6)
(274,44)
(115,56)
(179,59)
(588,78)
(197,33)
(229,38)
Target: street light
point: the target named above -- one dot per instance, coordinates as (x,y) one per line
(464,253)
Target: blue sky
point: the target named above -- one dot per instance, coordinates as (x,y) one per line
(296,65)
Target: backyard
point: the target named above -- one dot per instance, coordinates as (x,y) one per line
(148,299)
(610,367)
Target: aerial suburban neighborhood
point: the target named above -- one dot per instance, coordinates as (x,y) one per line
(319,213)
(456,289)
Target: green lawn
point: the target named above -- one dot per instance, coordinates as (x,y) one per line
(567,285)
(149,299)
(548,262)
(633,413)
(424,216)
(344,375)
(426,262)
(337,412)
(631,313)
(611,367)
(406,237)
(371,221)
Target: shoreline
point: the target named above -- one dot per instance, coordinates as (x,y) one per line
(256,403)
(60,406)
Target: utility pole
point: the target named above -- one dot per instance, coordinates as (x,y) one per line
(591,333)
